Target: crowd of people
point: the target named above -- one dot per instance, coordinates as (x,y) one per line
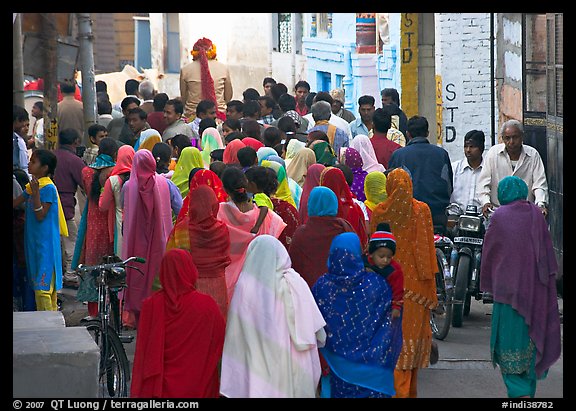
(289,245)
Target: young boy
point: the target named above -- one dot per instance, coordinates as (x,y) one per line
(262,184)
(380,259)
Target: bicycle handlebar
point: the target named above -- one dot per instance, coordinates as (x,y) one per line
(110,265)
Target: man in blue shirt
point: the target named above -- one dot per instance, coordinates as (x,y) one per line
(364,124)
(429,166)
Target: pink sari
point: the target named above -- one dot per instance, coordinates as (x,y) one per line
(147,225)
(239,225)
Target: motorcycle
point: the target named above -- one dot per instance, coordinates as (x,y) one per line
(465,260)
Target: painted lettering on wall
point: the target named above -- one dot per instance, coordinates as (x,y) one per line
(450,129)
(438,109)
(409,63)
(51,134)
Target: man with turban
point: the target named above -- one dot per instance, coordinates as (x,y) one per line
(205,78)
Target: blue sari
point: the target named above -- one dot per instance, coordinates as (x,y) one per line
(363,342)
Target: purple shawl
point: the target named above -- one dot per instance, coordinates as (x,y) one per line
(519,268)
(353,159)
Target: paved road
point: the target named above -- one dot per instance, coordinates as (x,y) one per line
(464,369)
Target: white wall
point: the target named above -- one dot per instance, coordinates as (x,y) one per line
(463,62)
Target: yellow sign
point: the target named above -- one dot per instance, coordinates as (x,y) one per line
(409,63)
(438,110)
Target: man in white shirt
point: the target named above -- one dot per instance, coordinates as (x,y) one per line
(466,172)
(334,119)
(513,158)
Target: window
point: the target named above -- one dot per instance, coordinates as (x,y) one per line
(287,32)
(172,55)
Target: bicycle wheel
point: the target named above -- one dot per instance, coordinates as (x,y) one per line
(114,368)
(461,289)
(441,316)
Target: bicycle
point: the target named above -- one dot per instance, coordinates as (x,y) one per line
(441,316)
(106,327)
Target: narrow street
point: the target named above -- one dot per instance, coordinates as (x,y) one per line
(464,369)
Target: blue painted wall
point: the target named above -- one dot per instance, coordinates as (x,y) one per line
(334,63)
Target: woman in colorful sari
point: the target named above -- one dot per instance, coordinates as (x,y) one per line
(411,223)
(230,155)
(526,337)
(45,223)
(264,152)
(312,180)
(93,241)
(148,138)
(208,178)
(351,157)
(295,189)
(375,190)
(240,215)
(334,179)
(324,153)
(311,241)
(211,140)
(147,224)
(363,145)
(190,158)
(298,167)
(110,198)
(363,342)
(208,241)
(283,192)
(180,338)
(273,331)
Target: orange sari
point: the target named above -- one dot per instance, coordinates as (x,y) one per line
(411,223)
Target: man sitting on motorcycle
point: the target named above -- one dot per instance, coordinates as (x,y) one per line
(465,175)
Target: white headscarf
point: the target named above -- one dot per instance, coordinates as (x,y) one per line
(364,146)
(273,330)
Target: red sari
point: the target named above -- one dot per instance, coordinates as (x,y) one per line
(290,215)
(180,336)
(208,241)
(334,179)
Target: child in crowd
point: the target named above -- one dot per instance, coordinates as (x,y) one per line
(380,259)
(162,153)
(247,157)
(230,125)
(262,182)
(218,166)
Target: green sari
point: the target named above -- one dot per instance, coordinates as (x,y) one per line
(513,351)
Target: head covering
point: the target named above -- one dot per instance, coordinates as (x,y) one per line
(200,178)
(166,365)
(338,95)
(203,50)
(123,160)
(312,180)
(294,116)
(148,138)
(263,153)
(211,140)
(357,306)
(231,151)
(322,202)
(271,344)
(323,152)
(382,239)
(375,189)
(283,191)
(298,167)
(278,159)
(294,145)
(363,145)
(189,159)
(512,188)
(252,142)
(334,179)
(352,158)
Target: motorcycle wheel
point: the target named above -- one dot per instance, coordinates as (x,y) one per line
(460,289)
